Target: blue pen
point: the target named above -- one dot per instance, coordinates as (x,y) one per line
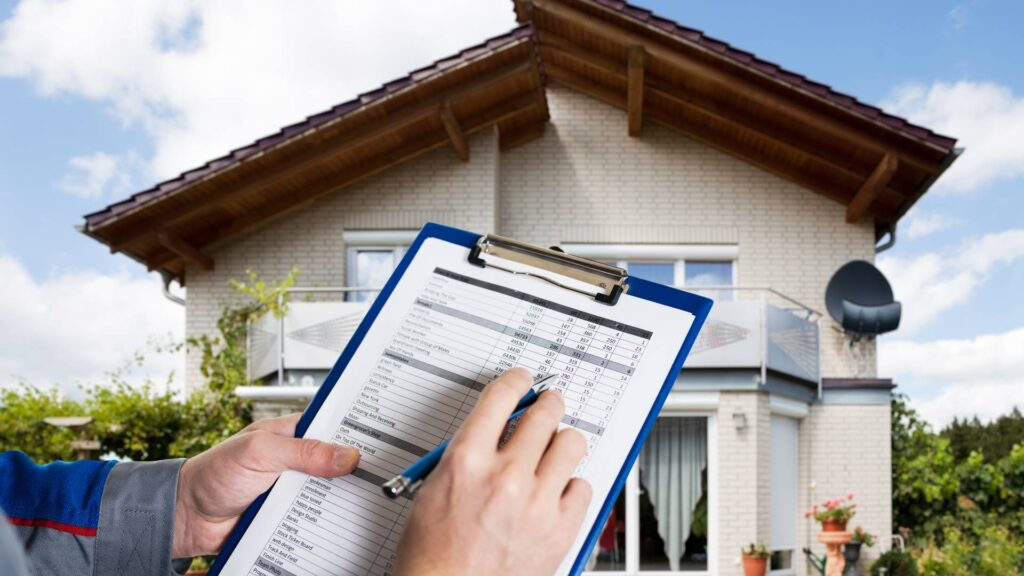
(412,477)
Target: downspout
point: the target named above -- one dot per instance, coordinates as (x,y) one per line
(168,278)
(925,185)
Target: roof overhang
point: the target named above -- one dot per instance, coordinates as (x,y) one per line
(875,164)
(497,83)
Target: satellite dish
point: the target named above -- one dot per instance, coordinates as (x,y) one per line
(860,299)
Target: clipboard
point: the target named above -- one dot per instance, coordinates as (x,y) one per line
(602,282)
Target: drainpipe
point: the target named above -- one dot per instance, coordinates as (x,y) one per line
(891,231)
(167,288)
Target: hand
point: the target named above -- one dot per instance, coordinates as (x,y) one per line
(497,511)
(215,487)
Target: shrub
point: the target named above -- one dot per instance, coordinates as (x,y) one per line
(895,563)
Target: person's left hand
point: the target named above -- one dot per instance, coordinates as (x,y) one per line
(215,487)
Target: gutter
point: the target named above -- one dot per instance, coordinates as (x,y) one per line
(925,185)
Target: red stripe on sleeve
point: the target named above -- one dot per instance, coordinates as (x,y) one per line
(76,530)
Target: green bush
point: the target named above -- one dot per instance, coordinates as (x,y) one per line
(992,552)
(150,422)
(895,563)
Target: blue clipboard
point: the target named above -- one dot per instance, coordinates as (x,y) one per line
(697,305)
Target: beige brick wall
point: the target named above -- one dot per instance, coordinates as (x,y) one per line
(847,448)
(436,186)
(744,499)
(587,181)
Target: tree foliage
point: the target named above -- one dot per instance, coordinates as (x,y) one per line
(151,422)
(994,439)
(963,510)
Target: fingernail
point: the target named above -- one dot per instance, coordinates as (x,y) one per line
(345,457)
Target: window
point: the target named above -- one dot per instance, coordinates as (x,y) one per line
(686,266)
(372,256)
(784,512)
(664,526)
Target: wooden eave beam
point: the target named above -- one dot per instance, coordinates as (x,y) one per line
(679,98)
(272,175)
(455,133)
(635,90)
(179,246)
(827,188)
(872,187)
(732,82)
(326,185)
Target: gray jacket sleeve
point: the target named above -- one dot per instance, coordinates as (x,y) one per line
(133,536)
(136,525)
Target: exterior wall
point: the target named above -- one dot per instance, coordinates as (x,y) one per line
(587,181)
(744,456)
(848,448)
(436,186)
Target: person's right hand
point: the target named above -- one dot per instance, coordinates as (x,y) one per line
(500,511)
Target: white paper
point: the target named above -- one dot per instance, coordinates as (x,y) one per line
(447,330)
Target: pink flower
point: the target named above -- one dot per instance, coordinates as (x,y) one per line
(849,495)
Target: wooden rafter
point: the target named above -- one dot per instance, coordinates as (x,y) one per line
(731,119)
(179,246)
(729,82)
(753,155)
(635,90)
(872,187)
(272,175)
(455,133)
(278,207)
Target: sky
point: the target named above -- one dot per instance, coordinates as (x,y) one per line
(102,98)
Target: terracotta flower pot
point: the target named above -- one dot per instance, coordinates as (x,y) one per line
(754,566)
(833,526)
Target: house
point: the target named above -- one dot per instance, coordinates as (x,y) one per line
(618,135)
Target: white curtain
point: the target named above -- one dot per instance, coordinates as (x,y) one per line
(671,464)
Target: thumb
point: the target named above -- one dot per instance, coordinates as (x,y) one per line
(310,456)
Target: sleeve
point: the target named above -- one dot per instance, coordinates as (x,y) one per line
(91,517)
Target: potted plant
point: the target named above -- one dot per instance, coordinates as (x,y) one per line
(852,550)
(755,559)
(833,513)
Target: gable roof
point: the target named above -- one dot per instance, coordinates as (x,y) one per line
(656,69)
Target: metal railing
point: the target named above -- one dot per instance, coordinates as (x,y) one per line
(745,326)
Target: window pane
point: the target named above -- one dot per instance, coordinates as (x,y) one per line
(673,496)
(660,272)
(708,273)
(611,545)
(373,268)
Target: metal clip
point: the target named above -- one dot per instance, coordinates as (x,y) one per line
(604,283)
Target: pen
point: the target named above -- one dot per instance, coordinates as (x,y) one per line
(412,477)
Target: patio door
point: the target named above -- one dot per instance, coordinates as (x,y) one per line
(662,522)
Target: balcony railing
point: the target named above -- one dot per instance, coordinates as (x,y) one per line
(750,328)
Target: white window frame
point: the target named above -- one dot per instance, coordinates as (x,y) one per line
(678,405)
(397,241)
(678,254)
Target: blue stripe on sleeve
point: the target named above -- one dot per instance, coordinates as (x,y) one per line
(64,492)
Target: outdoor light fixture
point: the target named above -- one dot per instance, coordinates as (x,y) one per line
(739,420)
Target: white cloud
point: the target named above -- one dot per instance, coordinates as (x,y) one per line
(921,224)
(205,76)
(932,283)
(94,174)
(958,18)
(987,118)
(77,326)
(982,376)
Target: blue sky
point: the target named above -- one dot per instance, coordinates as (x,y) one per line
(100,99)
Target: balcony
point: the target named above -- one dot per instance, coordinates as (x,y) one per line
(754,337)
